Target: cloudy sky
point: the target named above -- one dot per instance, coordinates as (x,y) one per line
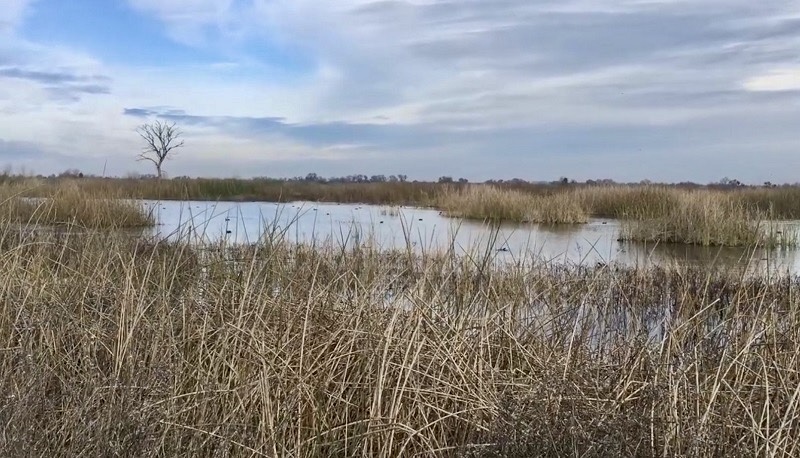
(666,90)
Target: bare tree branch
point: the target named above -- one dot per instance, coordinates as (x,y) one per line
(161,139)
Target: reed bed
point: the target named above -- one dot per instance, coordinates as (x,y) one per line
(70,205)
(657,214)
(706,219)
(114,346)
(781,202)
(497,204)
(629,202)
(265,190)
(607,201)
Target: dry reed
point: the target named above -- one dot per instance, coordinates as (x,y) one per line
(606,201)
(69,204)
(653,213)
(496,204)
(113,346)
(707,219)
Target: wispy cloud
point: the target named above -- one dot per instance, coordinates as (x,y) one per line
(49,77)
(61,85)
(775,81)
(12,13)
(351,136)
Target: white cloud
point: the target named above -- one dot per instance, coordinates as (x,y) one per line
(787,79)
(11,13)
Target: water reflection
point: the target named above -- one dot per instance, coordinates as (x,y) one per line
(778,260)
(426,229)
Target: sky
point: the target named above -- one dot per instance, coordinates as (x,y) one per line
(665,90)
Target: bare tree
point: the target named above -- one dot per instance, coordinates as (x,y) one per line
(161,140)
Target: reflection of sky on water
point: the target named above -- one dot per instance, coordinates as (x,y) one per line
(426,229)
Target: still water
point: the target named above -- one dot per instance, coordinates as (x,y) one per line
(427,230)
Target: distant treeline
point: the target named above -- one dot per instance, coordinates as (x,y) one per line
(7,175)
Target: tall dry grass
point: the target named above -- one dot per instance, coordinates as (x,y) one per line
(70,204)
(781,202)
(606,201)
(242,190)
(113,346)
(707,219)
(649,213)
(496,204)
(629,202)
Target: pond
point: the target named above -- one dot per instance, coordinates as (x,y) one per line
(426,229)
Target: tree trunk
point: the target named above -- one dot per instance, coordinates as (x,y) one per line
(158,171)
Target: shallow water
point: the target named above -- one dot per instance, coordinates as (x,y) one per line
(426,230)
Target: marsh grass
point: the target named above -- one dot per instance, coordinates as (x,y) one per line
(485,203)
(780,202)
(257,189)
(651,213)
(71,205)
(706,219)
(558,209)
(629,202)
(114,346)
(657,214)
(606,201)
(497,204)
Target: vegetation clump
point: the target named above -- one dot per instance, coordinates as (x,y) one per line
(497,204)
(68,204)
(706,219)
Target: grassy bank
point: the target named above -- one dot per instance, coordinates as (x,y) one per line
(113,346)
(69,204)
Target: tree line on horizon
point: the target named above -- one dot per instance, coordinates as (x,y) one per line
(73,173)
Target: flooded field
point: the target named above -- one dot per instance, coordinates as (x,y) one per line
(427,229)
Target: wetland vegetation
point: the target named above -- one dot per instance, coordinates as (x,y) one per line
(120,345)
(69,204)
(692,214)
